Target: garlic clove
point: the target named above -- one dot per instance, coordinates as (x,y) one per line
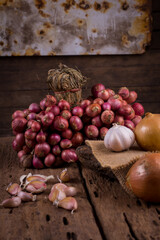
(59,186)
(70,191)
(25,179)
(13,189)
(68,203)
(36,186)
(27,197)
(64,176)
(11,202)
(56,195)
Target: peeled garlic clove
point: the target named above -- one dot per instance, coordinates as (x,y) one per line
(13,189)
(70,191)
(56,195)
(64,176)
(36,186)
(68,203)
(11,202)
(27,197)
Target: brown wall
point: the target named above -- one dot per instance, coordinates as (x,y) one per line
(23,79)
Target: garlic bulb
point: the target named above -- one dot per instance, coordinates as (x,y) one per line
(119,138)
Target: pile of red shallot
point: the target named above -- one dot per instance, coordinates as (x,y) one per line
(47,134)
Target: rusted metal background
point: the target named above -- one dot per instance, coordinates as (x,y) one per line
(74,27)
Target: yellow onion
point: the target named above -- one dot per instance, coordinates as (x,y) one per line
(147,132)
(143,178)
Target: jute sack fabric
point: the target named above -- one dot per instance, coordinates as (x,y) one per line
(118,162)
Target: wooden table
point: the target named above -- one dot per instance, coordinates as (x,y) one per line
(105,210)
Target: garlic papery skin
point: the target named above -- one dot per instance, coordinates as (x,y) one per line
(119,138)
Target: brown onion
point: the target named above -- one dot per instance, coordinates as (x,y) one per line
(147,132)
(143,178)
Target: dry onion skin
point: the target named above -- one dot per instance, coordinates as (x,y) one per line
(147,132)
(143,178)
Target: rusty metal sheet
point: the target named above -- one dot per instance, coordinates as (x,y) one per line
(74,27)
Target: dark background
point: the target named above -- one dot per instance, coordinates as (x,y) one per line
(23,79)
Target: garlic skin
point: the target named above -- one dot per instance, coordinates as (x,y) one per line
(64,176)
(119,138)
(11,202)
(13,189)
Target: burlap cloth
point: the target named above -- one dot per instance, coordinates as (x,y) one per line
(118,162)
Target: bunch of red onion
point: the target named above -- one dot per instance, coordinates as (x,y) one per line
(51,131)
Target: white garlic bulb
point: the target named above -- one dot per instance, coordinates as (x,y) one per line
(119,138)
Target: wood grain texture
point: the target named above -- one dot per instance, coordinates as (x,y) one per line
(40,219)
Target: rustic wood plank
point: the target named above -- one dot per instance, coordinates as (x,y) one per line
(155,45)
(118,213)
(40,220)
(155,5)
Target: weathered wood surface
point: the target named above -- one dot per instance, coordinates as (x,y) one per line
(40,220)
(105,211)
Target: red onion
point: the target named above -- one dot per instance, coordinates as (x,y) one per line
(111,92)
(29,134)
(129,124)
(26,112)
(26,161)
(60,123)
(50,100)
(16,146)
(125,110)
(42,149)
(104,94)
(37,162)
(47,119)
(26,149)
(31,116)
(17,114)
(43,104)
(69,155)
(14,132)
(35,126)
(63,105)
(41,137)
(124,102)
(21,153)
(65,143)
(34,107)
(136,119)
(77,139)
(119,119)
(30,143)
(131,115)
(49,160)
(115,102)
(66,114)
(40,115)
(67,134)
(97,88)
(93,110)
(132,97)
(20,139)
(107,116)
(98,101)
(29,124)
(54,109)
(123,92)
(19,124)
(106,106)
(76,123)
(102,132)
(54,139)
(85,103)
(77,111)
(91,131)
(97,121)
(56,150)
(138,108)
